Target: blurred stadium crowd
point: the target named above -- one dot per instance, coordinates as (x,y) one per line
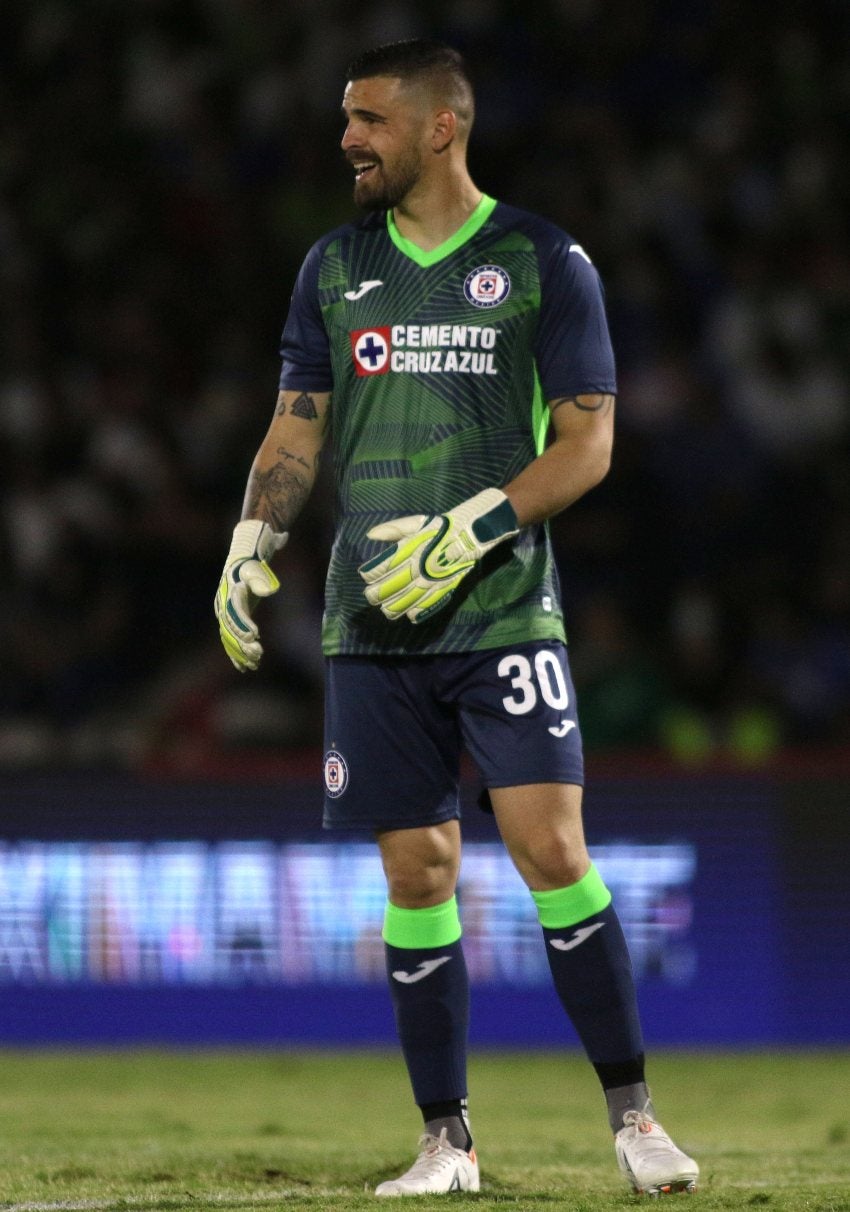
(164,167)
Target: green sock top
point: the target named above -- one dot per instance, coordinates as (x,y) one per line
(562,907)
(416,929)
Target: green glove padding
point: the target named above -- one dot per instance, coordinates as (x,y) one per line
(430,556)
(247,577)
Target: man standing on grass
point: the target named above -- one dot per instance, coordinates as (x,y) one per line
(457,351)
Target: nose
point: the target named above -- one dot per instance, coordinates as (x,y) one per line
(349,137)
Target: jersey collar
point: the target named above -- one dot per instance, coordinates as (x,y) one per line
(474,223)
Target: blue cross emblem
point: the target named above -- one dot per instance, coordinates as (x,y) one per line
(370,351)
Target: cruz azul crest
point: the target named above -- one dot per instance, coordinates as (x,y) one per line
(336,773)
(487,286)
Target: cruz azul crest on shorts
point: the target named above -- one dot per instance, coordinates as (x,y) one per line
(336,774)
(487,286)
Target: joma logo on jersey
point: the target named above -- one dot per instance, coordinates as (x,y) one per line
(465,349)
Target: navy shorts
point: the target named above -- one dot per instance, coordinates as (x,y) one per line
(395,728)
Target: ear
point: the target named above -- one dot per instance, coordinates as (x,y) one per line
(444,129)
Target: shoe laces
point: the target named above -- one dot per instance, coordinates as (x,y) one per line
(646,1130)
(433,1151)
(636,1119)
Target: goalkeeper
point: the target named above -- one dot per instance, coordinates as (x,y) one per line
(456,351)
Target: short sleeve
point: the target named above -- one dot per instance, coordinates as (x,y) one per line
(573,346)
(304,346)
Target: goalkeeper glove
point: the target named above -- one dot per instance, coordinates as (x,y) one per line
(430,556)
(246,578)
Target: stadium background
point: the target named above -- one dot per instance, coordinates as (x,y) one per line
(164,165)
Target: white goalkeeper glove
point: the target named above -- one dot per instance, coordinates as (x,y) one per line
(246,578)
(430,556)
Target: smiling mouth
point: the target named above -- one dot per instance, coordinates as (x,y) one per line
(363,170)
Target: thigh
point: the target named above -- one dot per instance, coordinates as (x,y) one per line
(542,829)
(518,716)
(392,752)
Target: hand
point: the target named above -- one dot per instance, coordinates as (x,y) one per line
(246,578)
(430,556)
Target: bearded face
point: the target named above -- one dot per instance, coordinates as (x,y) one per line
(382,141)
(382,182)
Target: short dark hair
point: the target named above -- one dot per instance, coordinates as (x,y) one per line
(422,59)
(411,57)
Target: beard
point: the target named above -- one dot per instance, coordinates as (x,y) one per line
(382,188)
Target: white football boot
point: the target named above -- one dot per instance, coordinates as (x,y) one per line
(438,1169)
(650,1161)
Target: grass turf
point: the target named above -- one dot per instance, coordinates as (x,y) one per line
(298,1130)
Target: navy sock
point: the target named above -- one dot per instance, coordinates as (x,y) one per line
(430,994)
(593,977)
(592,972)
(429,987)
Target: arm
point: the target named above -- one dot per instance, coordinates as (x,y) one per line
(576,461)
(285,467)
(281,478)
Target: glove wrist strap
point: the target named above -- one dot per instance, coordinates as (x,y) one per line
(497,519)
(246,540)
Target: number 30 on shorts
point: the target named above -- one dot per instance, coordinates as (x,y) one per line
(545,675)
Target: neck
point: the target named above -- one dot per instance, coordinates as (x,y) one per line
(428,216)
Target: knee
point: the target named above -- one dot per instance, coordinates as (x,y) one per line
(421,870)
(417,885)
(552,863)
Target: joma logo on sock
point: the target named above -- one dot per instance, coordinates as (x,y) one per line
(578,938)
(424,969)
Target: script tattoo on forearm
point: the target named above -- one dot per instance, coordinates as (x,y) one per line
(276,494)
(601,404)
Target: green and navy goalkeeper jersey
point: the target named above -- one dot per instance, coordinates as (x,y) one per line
(440,364)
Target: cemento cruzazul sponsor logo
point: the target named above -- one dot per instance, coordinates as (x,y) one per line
(487,286)
(466,349)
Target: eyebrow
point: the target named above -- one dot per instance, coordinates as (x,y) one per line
(362,113)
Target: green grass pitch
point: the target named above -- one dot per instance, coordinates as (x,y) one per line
(314,1130)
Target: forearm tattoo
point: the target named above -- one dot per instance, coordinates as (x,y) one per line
(602,404)
(303,406)
(276,494)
